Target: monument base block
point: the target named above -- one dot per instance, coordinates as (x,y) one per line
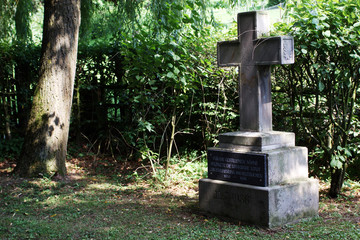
(256,141)
(265,206)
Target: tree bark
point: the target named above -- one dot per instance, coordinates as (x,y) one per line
(45,144)
(337,181)
(7,117)
(23,93)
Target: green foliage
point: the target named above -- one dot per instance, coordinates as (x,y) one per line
(249,4)
(10,148)
(274,2)
(17,75)
(140,64)
(7,26)
(23,13)
(20,21)
(100,22)
(323,84)
(169,75)
(136,72)
(185,170)
(87,13)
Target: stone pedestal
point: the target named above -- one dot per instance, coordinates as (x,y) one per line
(259,178)
(265,206)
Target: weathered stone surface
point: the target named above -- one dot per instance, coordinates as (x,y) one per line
(282,165)
(274,50)
(256,141)
(266,176)
(254,55)
(287,164)
(266,206)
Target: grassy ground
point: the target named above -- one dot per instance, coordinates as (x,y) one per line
(101,200)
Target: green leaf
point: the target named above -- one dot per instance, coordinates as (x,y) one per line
(356,24)
(327,33)
(321,86)
(356,56)
(173,55)
(315,21)
(171,75)
(176,71)
(347,152)
(149,127)
(336,163)
(304,51)
(339,43)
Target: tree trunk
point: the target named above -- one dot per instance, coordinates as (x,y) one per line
(337,180)
(7,117)
(23,93)
(44,149)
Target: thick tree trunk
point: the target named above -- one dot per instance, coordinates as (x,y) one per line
(44,149)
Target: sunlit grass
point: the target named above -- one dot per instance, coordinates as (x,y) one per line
(112,207)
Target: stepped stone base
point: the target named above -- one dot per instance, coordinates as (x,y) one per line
(282,164)
(256,141)
(265,206)
(259,178)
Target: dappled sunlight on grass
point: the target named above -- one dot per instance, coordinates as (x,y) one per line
(103,186)
(112,207)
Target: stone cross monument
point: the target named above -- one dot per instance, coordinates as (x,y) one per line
(255,55)
(257,175)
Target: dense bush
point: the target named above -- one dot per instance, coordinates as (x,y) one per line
(138,96)
(18,73)
(132,93)
(323,84)
(147,81)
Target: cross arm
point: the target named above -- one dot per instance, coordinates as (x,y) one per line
(228,53)
(266,51)
(274,50)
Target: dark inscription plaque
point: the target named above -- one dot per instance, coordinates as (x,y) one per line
(238,167)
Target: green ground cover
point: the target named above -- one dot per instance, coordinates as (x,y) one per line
(95,202)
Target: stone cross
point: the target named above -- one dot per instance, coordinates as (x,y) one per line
(255,55)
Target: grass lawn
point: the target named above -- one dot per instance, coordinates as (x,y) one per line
(99,200)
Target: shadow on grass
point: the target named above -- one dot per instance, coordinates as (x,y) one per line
(106,207)
(95,208)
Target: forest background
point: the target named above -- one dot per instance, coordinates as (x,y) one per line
(148,90)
